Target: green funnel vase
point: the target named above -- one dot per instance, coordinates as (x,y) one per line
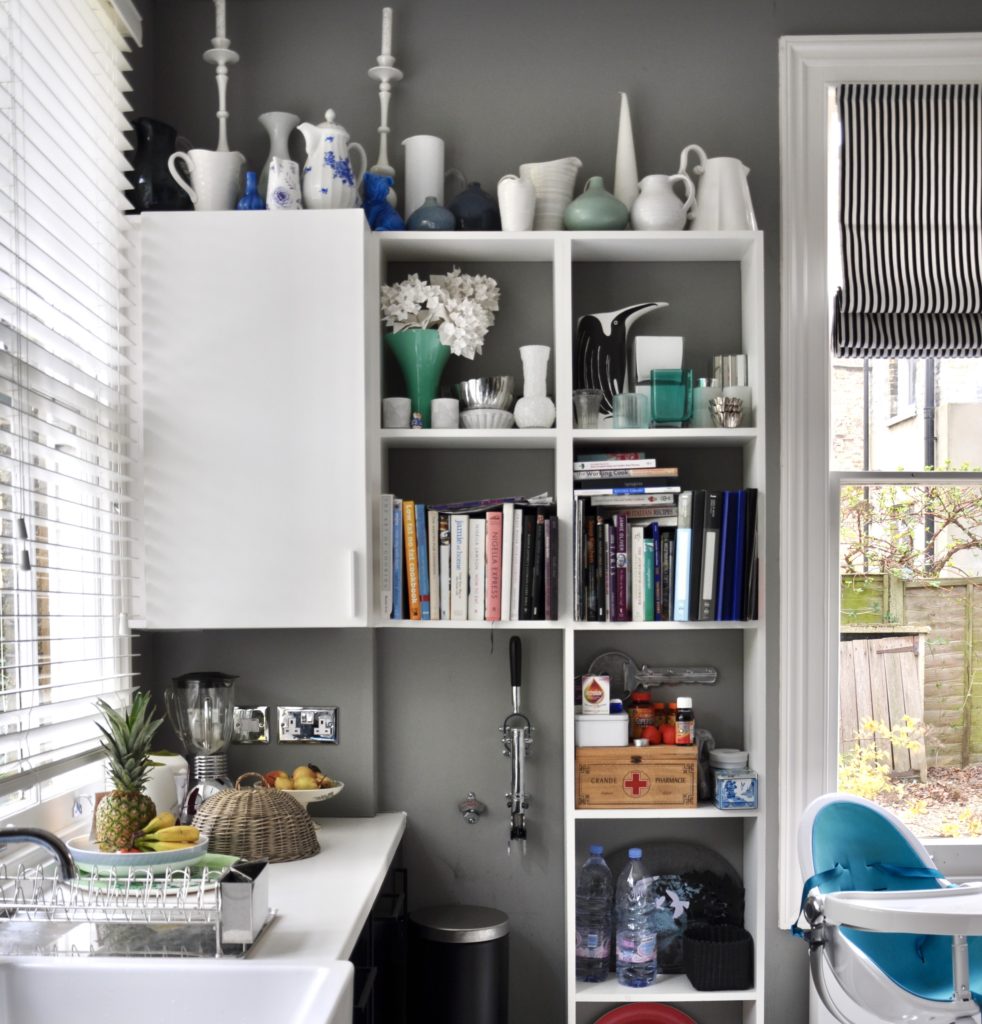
(421,358)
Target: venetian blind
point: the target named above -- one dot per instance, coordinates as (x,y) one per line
(910,214)
(65,371)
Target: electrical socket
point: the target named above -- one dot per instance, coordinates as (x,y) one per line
(250,724)
(308,725)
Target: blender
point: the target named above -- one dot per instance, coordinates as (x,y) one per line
(200,706)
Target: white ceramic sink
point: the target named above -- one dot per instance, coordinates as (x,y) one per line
(118,990)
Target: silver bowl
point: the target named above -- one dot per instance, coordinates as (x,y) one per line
(485,392)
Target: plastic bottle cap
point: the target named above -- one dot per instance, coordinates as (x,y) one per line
(643,698)
(634,853)
(684,702)
(596,851)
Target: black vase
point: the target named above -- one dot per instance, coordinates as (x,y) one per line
(475,210)
(153,186)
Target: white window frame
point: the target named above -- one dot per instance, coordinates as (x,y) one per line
(808,594)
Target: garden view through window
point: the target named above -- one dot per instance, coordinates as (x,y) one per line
(910,565)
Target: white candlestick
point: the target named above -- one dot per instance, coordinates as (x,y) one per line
(220,18)
(386,32)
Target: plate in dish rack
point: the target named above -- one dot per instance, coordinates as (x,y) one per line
(639,1013)
(88,857)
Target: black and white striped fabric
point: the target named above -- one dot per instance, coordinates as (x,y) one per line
(910,215)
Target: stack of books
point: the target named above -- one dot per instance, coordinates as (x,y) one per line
(649,552)
(486,561)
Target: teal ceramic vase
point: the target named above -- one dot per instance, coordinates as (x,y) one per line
(595,210)
(421,357)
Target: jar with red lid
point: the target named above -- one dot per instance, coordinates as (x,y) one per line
(641,713)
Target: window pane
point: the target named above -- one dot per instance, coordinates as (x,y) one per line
(891,414)
(910,653)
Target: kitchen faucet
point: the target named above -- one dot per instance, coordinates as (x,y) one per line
(516,735)
(38,836)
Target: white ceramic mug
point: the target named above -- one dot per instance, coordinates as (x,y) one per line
(216,177)
(516,201)
(395,413)
(445,413)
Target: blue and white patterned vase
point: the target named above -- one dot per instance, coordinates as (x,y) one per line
(283,187)
(329,182)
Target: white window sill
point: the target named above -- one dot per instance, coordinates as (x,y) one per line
(908,412)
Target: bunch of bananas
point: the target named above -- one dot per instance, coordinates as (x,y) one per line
(163,833)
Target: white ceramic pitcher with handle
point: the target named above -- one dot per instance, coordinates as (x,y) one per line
(329,182)
(722,193)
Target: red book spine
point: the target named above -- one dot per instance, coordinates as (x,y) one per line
(492,581)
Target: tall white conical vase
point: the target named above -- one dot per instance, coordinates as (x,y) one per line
(626,162)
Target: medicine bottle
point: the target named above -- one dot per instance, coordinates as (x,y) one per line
(685,722)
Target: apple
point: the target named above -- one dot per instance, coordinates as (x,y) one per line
(272,776)
(283,782)
(303,771)
(305,782)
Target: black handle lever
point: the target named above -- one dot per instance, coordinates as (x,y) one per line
(515,652)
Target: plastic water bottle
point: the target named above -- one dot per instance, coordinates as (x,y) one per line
(637,940)
(594,912)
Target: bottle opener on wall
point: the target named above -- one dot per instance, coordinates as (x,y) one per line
(516,733)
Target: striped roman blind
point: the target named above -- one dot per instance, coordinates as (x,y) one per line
(65,372)
(910,216)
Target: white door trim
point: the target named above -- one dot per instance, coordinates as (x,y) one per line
(807,719)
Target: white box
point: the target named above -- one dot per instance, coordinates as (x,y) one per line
(595,695)
(600,730)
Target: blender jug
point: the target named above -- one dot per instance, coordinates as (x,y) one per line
(200,706)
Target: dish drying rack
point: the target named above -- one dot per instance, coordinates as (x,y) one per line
(183,912)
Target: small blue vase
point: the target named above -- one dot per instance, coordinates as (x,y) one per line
(475,210)
(431,216)
(251,200)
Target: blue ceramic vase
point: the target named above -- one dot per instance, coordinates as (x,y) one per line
(251,200)
(475,210)
(431,216)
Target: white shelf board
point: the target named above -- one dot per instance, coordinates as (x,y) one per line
(465,624)
(664,246)
(481,246)
(674,988)
(682,436)
(632,813)
(614,626)
(531,439)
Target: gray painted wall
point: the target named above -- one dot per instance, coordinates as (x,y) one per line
(505,84)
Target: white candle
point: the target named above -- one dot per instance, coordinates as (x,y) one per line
(386,32)
(220,19)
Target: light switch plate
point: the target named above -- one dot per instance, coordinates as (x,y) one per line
(308,725)
(250,724)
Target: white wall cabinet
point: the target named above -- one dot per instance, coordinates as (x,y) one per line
(713,282)
(254,491)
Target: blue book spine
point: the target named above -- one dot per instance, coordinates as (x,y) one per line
(398,605)
(422,548)
(724,569)
(735,591)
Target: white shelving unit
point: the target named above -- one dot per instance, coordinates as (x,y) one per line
(615,259)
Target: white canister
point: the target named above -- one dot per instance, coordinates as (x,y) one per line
(167,781)
(395,413)
(424,171)
(516,202)
(445,413)
(600,730)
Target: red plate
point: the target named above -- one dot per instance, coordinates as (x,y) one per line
(645,1013)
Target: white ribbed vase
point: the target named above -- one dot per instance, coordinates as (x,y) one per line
(535,408)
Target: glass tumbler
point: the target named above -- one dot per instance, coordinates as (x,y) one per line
(671,397)
(586,407)
(631,411)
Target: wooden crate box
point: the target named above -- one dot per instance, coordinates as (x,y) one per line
(625,777)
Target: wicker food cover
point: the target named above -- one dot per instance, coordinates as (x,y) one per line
(256,821)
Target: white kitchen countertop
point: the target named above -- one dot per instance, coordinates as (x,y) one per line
(322,902)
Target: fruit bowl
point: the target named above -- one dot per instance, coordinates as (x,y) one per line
(313,796)
(89,858)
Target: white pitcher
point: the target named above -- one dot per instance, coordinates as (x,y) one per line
(424,171)
(329,182)
(553,181)
(658,208)
(516,203)
(722,193)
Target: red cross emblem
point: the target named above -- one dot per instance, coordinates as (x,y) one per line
(636,783)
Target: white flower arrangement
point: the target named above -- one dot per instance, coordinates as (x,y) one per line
(459,306)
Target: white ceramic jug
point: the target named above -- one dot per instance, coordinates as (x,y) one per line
(329,183)
(657,207)
(216,177)
(553,181)
(722,194)
(424,171)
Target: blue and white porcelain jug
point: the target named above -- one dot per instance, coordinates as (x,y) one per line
(329,183)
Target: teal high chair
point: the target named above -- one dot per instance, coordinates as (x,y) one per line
(889,938)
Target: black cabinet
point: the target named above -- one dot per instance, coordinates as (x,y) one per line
(380,956)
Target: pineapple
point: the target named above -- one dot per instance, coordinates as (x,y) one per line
(128,736)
